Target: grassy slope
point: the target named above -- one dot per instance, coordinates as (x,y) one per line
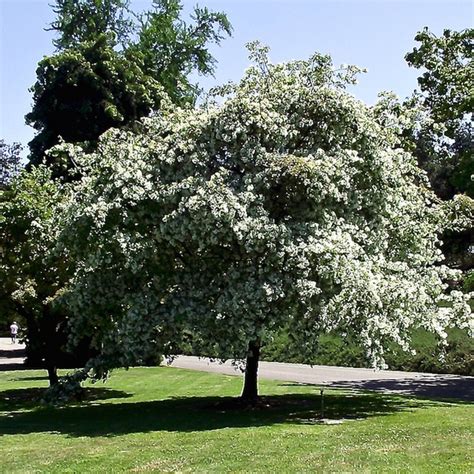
(163,419)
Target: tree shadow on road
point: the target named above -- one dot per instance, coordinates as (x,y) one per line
(13,353)
(12,359)
(8,367)
(189,414)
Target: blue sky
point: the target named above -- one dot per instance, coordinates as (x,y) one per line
(375,34)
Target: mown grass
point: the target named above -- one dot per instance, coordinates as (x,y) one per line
(164,420)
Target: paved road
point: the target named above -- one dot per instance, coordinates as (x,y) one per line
(407,383)
(11,355)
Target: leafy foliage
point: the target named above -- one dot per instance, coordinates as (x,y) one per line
(445,144)
(331,349)
(456,358)
(81,21)
(169,49)
(288,205)
(469,281)
(83,91)
(447,83)
(436,126)
(9,162)
(30,272)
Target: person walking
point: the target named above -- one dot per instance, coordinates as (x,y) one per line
(14,331)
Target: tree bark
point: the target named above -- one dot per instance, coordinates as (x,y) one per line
(250,390)
(52,375)
(51,344)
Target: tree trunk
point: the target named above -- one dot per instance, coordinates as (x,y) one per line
(250,390)
(51,343)
(52,375)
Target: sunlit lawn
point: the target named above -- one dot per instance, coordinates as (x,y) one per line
(163,419)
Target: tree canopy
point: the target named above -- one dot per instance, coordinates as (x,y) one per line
(445,143)
(444,140)
(287,205)
(79,21)
(31,273)
(83,91)
(113,67)
(448,80)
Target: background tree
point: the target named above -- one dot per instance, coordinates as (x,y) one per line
(287,206)
(444,144)
(112,67)
(447,83)
(79,21)
(170,50)
(9,168)
(435,124)
(30,273)
(81,92)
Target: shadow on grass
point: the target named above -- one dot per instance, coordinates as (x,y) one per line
(30,378)
(30,398)
(447,387)
(430,387)
(199,414)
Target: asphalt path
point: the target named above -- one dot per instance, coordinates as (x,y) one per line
(388,381)
(11,355)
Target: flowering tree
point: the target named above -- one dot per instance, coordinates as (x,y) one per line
(287,204)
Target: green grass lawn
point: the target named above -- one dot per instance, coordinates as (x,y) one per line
(164,419)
